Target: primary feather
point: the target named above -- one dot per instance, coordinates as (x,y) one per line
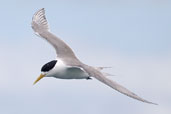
(40,26)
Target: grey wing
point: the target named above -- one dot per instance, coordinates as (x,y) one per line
(40,26)
(99,76)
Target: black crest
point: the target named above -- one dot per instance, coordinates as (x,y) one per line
(48,66)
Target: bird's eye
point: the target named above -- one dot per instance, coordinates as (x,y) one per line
(48,66)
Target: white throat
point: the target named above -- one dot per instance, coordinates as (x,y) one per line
(59,67)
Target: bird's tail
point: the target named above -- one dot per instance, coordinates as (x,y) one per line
(104,73)
(102,68)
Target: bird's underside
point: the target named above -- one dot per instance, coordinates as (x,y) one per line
(65,53)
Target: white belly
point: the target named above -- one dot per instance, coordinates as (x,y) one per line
(72,73)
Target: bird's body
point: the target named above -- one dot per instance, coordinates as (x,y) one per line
(63,71)
(67,65)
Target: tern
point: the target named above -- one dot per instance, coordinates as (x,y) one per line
(67,65)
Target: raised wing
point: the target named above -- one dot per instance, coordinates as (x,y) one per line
(98,75)
(40,26)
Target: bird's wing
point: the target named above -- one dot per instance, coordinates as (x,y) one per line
(99,76)
(41,28)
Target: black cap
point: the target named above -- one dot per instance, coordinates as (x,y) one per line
(48,66)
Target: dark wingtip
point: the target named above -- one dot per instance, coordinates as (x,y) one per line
(150,102)
(154,103)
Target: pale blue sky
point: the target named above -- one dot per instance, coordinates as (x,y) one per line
(132,36)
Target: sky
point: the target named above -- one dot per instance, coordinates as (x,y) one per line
(133,37)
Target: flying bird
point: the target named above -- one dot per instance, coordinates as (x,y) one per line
(67,65)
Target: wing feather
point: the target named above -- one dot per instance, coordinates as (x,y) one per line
(41,28)
(99,76)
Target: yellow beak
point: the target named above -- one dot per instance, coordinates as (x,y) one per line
(40,77)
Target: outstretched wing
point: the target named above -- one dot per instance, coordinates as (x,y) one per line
(41,28)
(99,76)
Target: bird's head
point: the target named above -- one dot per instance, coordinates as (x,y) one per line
(46,69)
